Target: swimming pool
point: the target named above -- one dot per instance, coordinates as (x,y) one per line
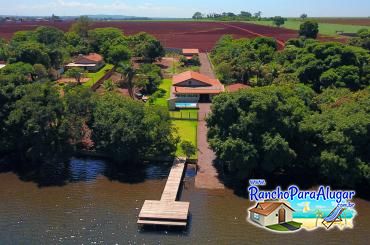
(186,105)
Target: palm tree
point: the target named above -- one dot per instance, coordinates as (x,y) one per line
(319,214)
(109,85)
(127,72)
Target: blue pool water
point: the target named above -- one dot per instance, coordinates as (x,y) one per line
(186,105)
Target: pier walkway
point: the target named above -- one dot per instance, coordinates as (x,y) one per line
(167,211)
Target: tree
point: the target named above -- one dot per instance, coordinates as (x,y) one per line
(129,131)
(100,39)
(79,105)
(117,54)
(76,73)
(319,214)
(245,14)
(32,53)
(39,72)
(362,39)
(81,26)
(258,15)
(127,72)
(303,16)
(146,47)
(188,148)
(278,21)
(148,78)
(37,116)
(109,85)
(337,135)
(256,131)
(76,44)
(309,29)
(197,15)
(49,36)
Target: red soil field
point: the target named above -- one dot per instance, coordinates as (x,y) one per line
(202,35)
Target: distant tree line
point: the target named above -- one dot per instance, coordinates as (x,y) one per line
(226,16)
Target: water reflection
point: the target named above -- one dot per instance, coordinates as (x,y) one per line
(91,208)
(85,169)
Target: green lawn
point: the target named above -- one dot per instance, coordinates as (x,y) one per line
(165,85)
(186,114)
(177,68)
(187,130)
(325,28)
(279,227)
(95,76)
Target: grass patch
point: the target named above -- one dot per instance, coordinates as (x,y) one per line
(176,68)
(95,76)
(277,227)
(186,130)
(324,28)
(165,85)
(185,114)
(295,224)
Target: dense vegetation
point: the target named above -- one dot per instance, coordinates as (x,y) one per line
(228,16)
(363,39)
(316,64)
(308,114)
(41,122)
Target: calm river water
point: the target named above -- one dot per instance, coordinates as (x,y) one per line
(94,209)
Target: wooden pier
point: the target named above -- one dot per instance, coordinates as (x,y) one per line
(167,211)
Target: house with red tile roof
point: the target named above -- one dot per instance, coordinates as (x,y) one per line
(193,87)
(271,213)
(90,62)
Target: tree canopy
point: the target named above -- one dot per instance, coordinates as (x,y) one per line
(289,129)
(309,29)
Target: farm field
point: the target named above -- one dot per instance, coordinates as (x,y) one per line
(344,21)
(185,34)
(324,27)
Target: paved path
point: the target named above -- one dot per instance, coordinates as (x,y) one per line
(205,65)
(207,176)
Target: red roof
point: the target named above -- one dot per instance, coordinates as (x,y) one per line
(198,90)
(190,51)
(236,87)
(88,59)
(185,76)
(266,208)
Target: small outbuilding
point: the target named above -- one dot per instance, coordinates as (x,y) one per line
(190,53)
(271,213)
(2,64)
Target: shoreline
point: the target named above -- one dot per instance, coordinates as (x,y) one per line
(310,223)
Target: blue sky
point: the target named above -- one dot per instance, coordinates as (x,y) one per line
(185,8)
